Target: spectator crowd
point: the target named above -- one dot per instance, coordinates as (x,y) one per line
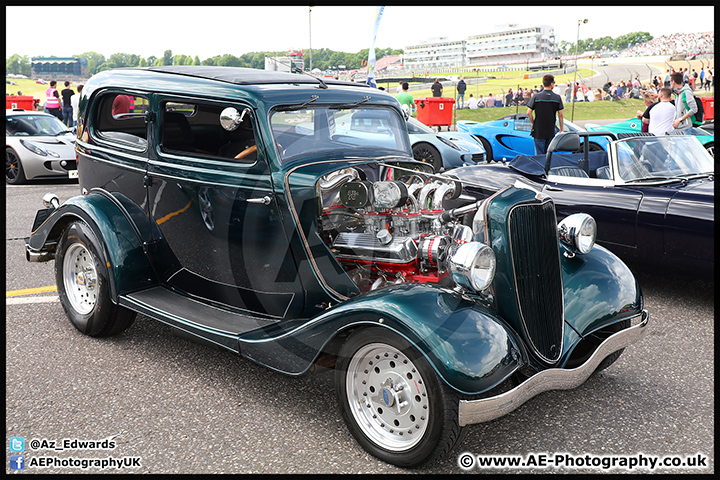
(688,43)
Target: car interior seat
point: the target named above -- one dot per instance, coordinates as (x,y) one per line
(569,172)
(177,134)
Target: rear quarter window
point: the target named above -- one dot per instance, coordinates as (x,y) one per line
(120,119)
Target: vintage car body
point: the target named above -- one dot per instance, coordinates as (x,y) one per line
(634,125)
(662,220)
(509,136)
(37,145)
(311,247)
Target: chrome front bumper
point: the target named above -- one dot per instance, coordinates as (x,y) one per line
(483,410)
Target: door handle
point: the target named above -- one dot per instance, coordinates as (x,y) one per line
(553,189)
(264,200)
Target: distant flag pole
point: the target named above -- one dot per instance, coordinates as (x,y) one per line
(371,53)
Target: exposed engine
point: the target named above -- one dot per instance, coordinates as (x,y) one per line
(391,231)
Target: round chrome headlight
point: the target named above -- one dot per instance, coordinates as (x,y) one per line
(578,232)
(472,266)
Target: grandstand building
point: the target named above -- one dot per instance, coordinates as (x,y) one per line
(60,69)
(533,43)
(436,52)
(508,44)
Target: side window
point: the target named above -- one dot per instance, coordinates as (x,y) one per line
(523,124)
(120,118)
(195,129)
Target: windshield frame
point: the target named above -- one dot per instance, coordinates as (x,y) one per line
(665,159)
(35,119)
(295,139)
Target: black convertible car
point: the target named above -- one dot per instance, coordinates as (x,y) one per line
(652,197)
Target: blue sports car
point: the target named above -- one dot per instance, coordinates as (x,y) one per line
(509,136)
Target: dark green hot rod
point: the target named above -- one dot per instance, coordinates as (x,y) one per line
(283,217)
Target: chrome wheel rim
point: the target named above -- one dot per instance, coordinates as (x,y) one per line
(387,397)
(206,209)
(80,279)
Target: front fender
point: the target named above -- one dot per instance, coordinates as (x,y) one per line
(467,344)
(599,289)
(122,247)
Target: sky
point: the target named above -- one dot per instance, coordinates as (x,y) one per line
(217,30)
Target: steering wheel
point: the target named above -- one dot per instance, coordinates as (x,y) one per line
(246,152)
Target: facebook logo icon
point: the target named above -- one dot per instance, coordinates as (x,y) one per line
(17,444)
(17,462)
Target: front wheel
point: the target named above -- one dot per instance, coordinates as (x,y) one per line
(392,400)
(425,152)
(83,284)
(14,173)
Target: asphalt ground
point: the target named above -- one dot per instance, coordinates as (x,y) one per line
(175,406)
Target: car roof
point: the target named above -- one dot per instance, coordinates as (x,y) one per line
(245,76)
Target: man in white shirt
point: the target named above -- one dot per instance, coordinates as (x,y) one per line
(74,102)
(472,102)
(662,114)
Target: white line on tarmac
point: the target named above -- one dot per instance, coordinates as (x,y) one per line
(24,300)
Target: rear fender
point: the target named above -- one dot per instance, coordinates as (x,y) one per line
(469,347)
(121,242)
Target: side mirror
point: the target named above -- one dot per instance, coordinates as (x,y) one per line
(230,118)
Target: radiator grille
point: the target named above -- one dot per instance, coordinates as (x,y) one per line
(538,279)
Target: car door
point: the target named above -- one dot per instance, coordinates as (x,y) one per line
(112,151)
(210,194)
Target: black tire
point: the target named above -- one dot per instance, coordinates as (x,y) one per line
(710,147)
(14,174)
(594,147)
(425,152)
(400,429)
(488,149)
(612,358)
(83,284)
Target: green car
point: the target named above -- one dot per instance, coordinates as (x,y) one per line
(634,125)
(228,204)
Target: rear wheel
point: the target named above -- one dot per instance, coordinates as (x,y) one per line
(83,284)
(392,400)
(14,173)
(710,147)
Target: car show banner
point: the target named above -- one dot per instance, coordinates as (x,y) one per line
(371,53)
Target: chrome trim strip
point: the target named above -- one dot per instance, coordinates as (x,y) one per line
(486,409)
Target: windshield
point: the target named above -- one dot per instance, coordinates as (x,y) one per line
(416,127)
(347,132)
(33,126)
(662,157)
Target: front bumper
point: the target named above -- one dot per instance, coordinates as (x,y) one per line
(486,409)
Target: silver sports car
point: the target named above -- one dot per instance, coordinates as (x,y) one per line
(37,145)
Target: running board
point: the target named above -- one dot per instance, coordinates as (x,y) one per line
(216,325)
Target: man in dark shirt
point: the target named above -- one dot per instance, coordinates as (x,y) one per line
(66,105)
(437,88)
(544,104)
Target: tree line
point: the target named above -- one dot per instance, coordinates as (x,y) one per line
(604,43)
(322,58)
